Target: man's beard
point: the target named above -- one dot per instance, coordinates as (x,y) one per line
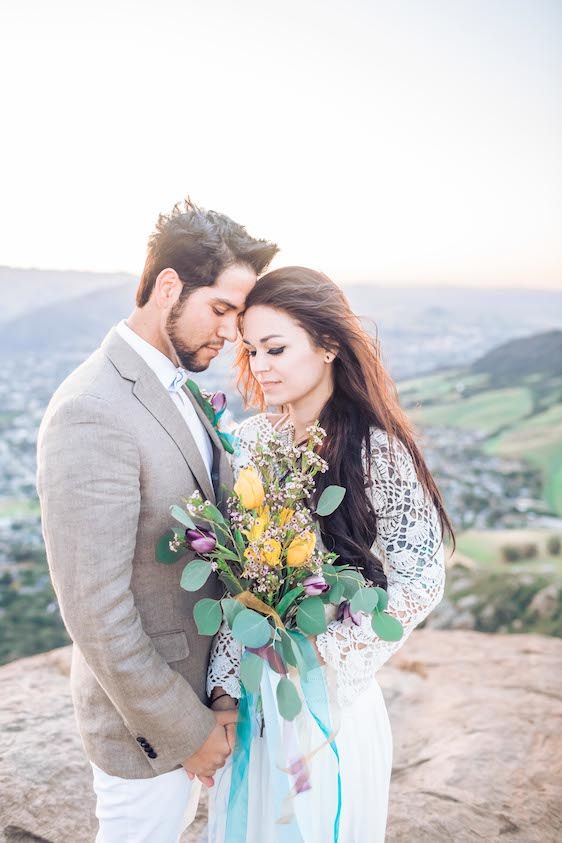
(187,356)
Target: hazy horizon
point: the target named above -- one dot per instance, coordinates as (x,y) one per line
(341,281)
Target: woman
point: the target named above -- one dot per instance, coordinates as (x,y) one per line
(305,352)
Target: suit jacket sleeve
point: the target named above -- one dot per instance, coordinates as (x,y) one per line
(89,486)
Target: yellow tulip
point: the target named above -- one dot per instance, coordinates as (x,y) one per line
(285,515)
(271,552)
(257,529)
(249,488)
(301,549)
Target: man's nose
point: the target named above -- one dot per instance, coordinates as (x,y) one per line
(228,329)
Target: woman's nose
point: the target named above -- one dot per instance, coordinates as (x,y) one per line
(261,363)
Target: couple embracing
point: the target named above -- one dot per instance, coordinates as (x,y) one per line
(123,439)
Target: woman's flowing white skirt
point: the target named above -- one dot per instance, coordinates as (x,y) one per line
(364,742)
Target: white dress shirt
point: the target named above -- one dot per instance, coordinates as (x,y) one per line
(165,371)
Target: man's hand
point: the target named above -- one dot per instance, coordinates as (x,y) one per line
(211,756)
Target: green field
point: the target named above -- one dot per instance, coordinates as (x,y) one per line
(486,411)
(539,441)
(522,421)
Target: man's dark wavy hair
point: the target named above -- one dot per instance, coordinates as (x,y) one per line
(199,245)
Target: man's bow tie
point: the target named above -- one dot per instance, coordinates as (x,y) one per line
(180,378)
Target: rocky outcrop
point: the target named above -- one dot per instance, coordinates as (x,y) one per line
(477,722)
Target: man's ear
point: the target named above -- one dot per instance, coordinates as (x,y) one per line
(167,288)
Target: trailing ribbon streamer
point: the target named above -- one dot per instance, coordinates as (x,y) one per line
(316,698)
(286,828)
(237,813)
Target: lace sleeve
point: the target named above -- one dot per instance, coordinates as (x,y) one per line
(409,543)
(224,664)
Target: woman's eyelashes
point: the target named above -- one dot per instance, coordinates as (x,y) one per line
(275,351)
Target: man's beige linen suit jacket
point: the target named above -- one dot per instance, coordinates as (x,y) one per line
(114,453)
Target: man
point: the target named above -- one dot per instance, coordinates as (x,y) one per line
(120,442)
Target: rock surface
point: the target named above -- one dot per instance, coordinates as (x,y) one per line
(477,722)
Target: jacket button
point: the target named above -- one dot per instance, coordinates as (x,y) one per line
(152,754)
(141,740)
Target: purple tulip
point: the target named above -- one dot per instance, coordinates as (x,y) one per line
(201,540)
(315,585)
(218,401)
(344,613)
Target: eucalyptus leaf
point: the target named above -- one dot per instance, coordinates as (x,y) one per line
(330,574)
(231,608)
(364,600)
(288,649)
(195,574)
(387,627)
(163,552)
(208,615)
(330,499)
(352,581)
(251,628)
(181,515)
(335,594)
(251,669)
(288,700)
(310,616)
(383,598)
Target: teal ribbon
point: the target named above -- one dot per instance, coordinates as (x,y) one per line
(228,441)
(316,698)
(237,813)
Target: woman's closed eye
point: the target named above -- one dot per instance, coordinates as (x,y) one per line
(275,351)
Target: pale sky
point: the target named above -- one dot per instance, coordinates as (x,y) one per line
(406,141)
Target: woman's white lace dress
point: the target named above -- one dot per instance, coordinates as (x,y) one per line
(409,543)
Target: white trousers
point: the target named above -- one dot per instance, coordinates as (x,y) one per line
(155,810)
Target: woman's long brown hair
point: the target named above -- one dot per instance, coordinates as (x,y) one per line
(364,397)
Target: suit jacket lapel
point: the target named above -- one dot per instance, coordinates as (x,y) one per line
(150,392)
(221,466)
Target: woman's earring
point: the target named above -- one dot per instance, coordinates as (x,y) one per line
(329,358)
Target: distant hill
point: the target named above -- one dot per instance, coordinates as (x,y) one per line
(509,362)
(512,396)
(26,290)
(77,324)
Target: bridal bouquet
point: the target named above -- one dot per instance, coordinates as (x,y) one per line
(277,581)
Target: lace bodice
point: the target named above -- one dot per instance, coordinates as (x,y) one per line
(409,544)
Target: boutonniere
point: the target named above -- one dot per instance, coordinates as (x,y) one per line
(213,405)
